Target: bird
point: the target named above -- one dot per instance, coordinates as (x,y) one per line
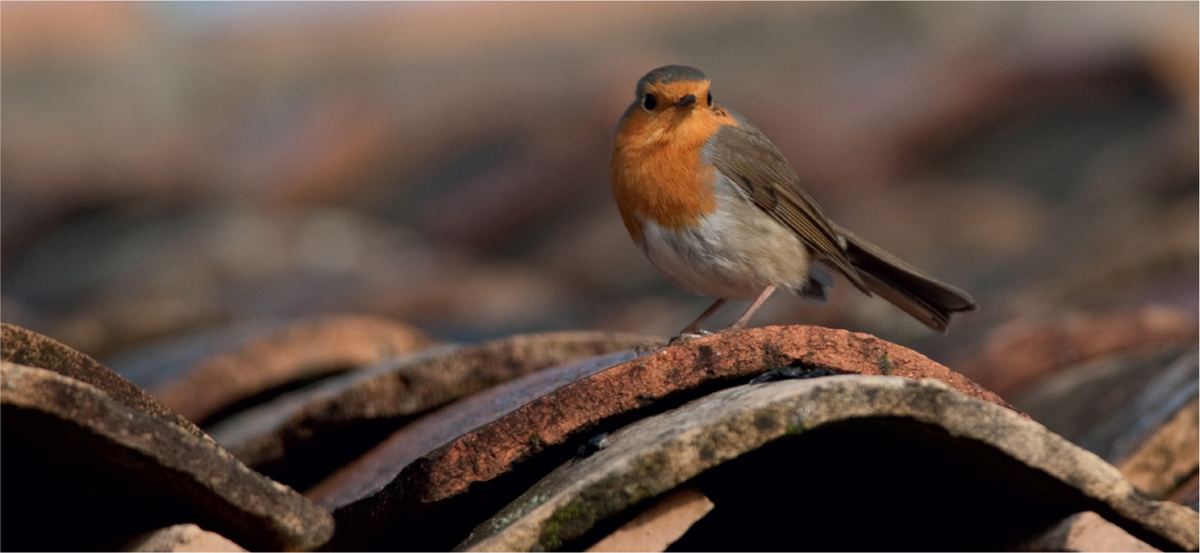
(716,208)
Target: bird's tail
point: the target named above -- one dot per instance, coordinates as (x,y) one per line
(925,298)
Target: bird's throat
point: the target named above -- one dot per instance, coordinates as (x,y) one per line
(658,174)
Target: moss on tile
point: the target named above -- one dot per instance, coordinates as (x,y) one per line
(885,365)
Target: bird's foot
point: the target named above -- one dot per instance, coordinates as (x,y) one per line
(687,336)
(649,347)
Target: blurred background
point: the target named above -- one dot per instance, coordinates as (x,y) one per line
(171,168)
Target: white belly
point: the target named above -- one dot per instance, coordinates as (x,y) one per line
(724,259)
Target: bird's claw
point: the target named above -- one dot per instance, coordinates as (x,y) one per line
(685,337)
(648,347)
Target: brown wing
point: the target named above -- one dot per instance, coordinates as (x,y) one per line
(747,158)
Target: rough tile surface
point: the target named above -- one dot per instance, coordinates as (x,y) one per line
(493,450)
(639,382)
(198,377)
(65,440)
(401,387)
(655,455)
(24,347)
(378,467)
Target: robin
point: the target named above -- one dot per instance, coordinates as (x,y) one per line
(715,207)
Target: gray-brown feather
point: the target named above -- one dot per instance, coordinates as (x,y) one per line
(748,159)
(751,162)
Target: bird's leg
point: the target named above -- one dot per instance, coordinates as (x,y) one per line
(692,331)
(741,322)
(694,328)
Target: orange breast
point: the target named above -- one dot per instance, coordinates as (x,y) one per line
(657,174)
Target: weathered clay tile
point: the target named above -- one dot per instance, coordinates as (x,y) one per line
(435,486)
(72,453)
(1135,410)
(1188,493)
(1086,531)
(785,464)
(1165,463)
(369,473)
(24,347)
(181,537)
(660,525)
(1019,353)
(198,376)
(384,394)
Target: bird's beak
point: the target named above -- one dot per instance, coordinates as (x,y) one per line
(686,101)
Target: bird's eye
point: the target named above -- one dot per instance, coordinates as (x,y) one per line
(649,101)
(710,98)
